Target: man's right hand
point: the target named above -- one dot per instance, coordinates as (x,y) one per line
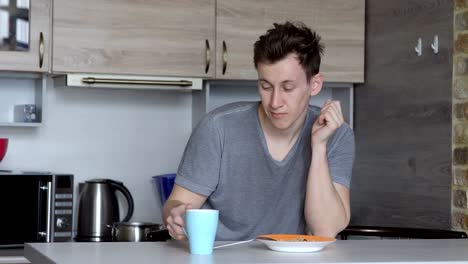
(174,209)
(175,222)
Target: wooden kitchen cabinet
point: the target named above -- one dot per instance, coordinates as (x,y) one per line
(180,38)
(35,58)
(239,23)
(165,38)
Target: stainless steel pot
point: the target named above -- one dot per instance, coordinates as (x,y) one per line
(133,231)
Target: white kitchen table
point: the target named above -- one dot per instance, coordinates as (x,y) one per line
(342,251)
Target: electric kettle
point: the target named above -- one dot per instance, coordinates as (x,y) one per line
(98,209)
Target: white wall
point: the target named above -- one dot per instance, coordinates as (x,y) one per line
(126,135)
(14,91)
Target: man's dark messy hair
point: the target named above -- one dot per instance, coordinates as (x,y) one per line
(287,38)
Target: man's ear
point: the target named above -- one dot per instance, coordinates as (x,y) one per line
(316,83)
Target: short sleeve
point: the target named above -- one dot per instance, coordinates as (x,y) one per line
(200,165)
(341,152)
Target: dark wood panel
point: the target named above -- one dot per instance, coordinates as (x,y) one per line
(402,173)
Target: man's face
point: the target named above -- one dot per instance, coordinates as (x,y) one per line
(285,92)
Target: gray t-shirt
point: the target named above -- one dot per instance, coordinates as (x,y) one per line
(227,160)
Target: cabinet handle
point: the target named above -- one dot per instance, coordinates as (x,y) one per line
(207,56)
(92,80)
(41,49)
(224,57)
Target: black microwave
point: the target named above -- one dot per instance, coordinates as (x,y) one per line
(35,207)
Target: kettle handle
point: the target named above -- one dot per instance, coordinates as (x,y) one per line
(120,187)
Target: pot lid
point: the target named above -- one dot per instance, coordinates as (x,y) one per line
(143,224)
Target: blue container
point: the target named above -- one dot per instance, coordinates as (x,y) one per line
(163,185)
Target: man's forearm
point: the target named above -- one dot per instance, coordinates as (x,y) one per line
(325,211)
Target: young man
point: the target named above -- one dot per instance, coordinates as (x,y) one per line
(275,166)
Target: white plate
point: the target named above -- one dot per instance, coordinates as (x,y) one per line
(296,246)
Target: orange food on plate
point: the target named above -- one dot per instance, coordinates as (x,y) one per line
(295,238)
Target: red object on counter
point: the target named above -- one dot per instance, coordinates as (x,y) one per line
(3,147)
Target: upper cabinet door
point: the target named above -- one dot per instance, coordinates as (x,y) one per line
(165,37)
(25,35)
(339,22)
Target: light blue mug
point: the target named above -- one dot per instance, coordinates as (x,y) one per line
(200,227)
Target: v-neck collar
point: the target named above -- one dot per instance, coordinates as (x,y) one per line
(291,151)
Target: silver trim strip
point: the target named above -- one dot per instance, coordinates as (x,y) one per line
(113,81)
(49,212)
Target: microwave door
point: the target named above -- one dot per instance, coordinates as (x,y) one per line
(25,210)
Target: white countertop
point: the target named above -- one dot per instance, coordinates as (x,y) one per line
(342,251)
